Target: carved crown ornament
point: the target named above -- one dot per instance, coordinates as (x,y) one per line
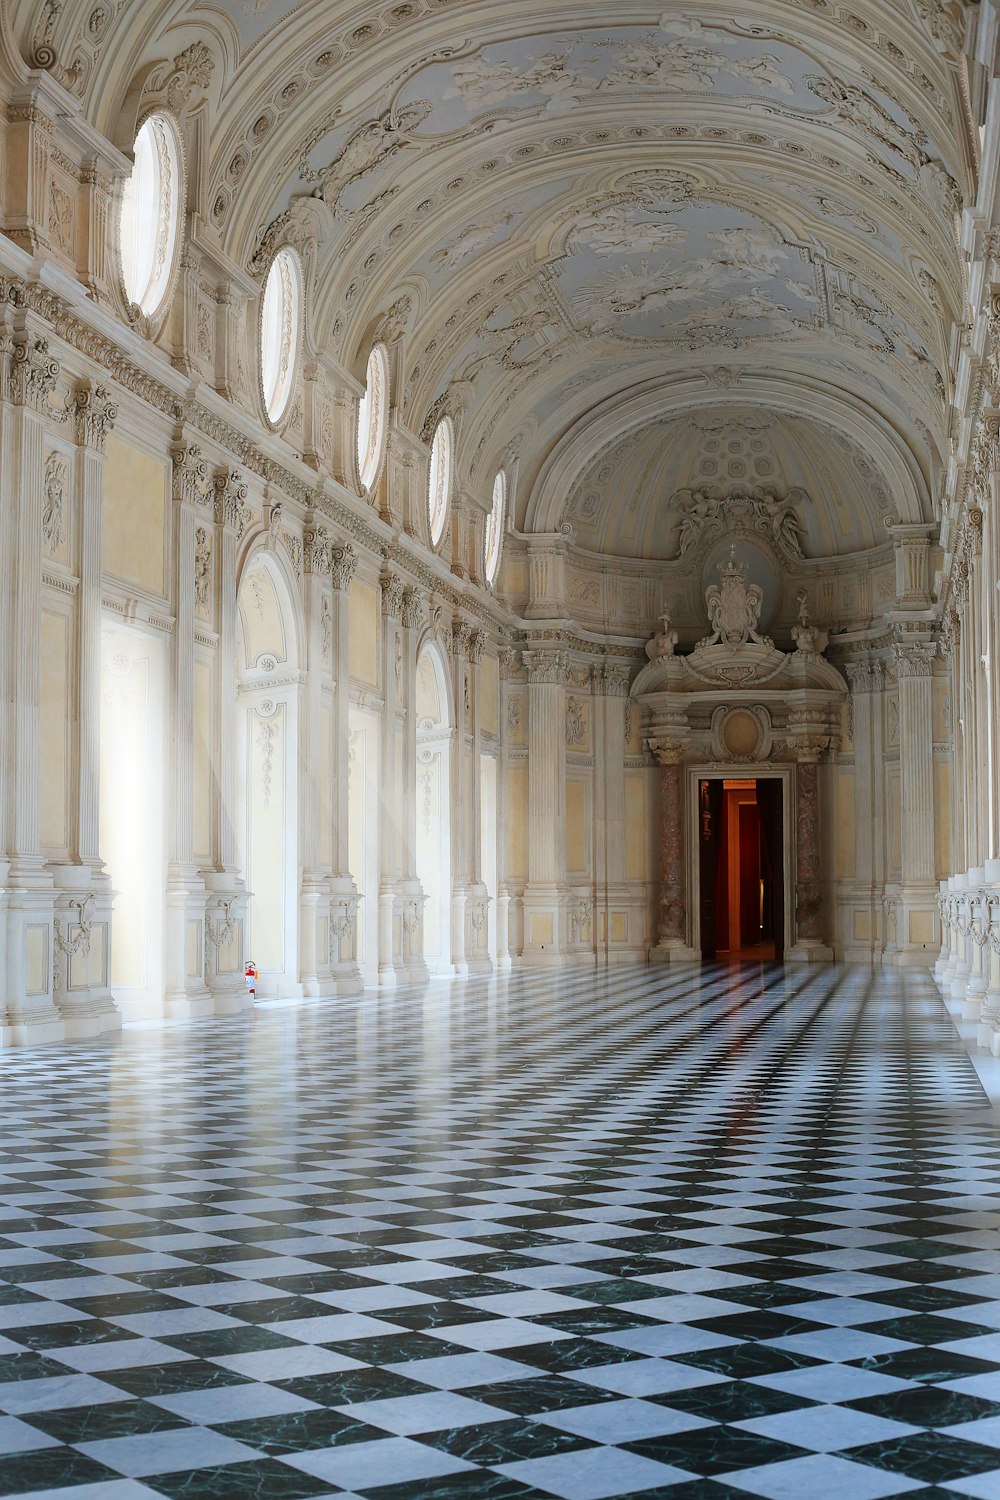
(735,656)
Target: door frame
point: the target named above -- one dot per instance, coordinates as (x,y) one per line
(712,771)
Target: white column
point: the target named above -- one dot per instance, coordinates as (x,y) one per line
(27,1011)
(545,892)
(314,899)
(869,809)
(186,993)
(916,939)
(620,912)
(507,665)
(226,904)
(469,934)
(412,615)
(343,891)
(391,968)
(82,927)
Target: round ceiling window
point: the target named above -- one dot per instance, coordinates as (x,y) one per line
(280,321)
(439,488)
(149,227)
(372,417)
(494,528)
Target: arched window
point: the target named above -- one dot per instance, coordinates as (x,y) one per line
(494,528)
(439,488)
(149,227)
(372,414)
(280,321)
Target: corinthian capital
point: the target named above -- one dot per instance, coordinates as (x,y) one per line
(95,414)
(34,373)
(343,566)
(230,500)
(546,666)
(190,479)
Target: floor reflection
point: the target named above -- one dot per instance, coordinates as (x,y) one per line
(707,1233)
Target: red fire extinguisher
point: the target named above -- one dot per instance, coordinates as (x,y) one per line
(250,978)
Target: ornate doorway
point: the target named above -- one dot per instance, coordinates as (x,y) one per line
(741,868)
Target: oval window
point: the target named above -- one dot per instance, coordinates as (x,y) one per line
(149,227)
(494,528)
(280,318)
(372,411)
(439,488)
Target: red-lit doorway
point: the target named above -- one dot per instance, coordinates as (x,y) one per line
(741,867)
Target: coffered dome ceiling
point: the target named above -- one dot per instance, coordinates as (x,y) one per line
(614,248)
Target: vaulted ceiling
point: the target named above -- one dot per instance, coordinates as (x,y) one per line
(618,231)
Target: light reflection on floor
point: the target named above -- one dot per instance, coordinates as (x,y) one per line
(626,1234)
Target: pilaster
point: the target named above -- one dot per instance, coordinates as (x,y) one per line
(28,1012)
(917,923)
(82,926)
(545,896)
(411,890)
(226,904)
(186,993)
(391,966)
(343,891)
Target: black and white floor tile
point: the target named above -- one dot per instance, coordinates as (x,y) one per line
(571,1235)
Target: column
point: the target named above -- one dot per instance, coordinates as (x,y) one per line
(916,941)
(186,993)
(412,616)
(866,911)
(477,935)
(391,968)
(508,665)
(316,772)
(545,892)
(26,894)
(809,945)
(82,926)
(621,928)
(469,934)
(672,933)
(343,891)
(226,903)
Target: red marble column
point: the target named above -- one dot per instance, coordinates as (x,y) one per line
(809,903)
(672,909)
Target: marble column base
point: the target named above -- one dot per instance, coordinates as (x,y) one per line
(975,994)
(809,951)
(674,952)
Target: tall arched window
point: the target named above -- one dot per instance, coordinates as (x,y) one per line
(149,227)
(372,414)
(280,321)
(439,487)
(494,528)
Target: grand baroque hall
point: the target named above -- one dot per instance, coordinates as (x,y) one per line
(499,769)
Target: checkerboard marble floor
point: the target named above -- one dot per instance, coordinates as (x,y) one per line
(629,1234)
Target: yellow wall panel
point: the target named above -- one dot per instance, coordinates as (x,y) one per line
(943,855)
(54,735)
(577,821)
(203,773)
(489,684)
(517,822)
(363,632)
(845,821)
(636,826)
(135,510)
